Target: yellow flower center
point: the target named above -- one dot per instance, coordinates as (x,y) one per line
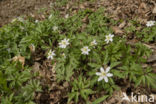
(103,73)
(64,43)
(85,49)
(49,54)
(108,38)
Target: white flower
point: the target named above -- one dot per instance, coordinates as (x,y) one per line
(85,50)
(93,43)
(36,21)
(67,15)
(150,23)
(13,20)
(104,74)
(51,54)
(109,38)
(64,43)
(55,28)
(20,19)
(50,16)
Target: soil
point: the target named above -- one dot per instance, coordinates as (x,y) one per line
(10,9)
(119,9)
(131,9)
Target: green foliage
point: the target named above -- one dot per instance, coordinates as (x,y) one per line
(80,89)
(99,100)
(64,69)
(147,34)
(17,85)
(146,77)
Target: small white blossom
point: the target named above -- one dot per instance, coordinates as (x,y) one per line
(20,19)
(64,43)
(67,16)
(103,74)
(85,50)
(150,23)
(13,20)
(51,54)
(109,38)
(93,43)
(50,16)
(55,28)
(36,21)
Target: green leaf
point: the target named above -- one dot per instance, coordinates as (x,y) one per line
(71,96)
(94,65)
(118,73)
(82,93)
(76,97)
(114,64)
(99,100)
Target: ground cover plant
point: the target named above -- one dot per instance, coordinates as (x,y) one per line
(83,50)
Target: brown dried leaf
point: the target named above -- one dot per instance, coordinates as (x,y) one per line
(38,96)
(52,96)
(53,68)
(42,16)
(154,65)
(36,67)
(65,84)
(154,10)
(20,59)
(154,96)
(151,46)
(81,6)
(85,19)
(143,5)
(32,48)
(144,65)
(152,58)
(122,24)
(117,30)
(67,6)
(141,20)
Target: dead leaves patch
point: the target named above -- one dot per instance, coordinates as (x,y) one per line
(19,58)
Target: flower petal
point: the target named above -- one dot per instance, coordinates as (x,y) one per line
(98,73)
(112,36)
(106,79)
(111,40)
(102,69)
(100,78)
(107,69)
(109,74)
(107,41)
